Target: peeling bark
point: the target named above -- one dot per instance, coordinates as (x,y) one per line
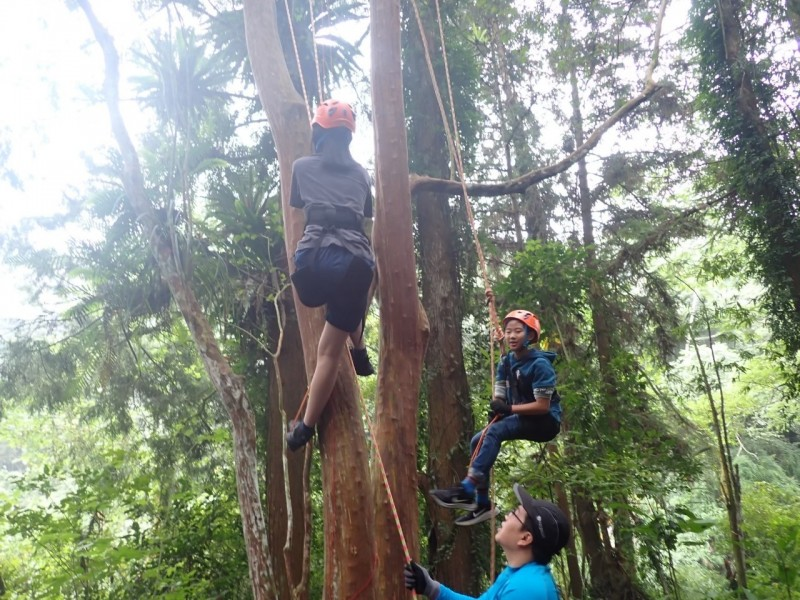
(403,323)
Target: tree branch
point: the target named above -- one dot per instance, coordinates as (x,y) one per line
(422,183)
(518,185)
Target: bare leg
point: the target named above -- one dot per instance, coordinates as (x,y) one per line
(331,345)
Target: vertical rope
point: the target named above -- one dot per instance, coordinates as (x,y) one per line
(453,142)
(493,547)
(297,58)
(313,18)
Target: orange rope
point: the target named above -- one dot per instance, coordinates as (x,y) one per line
(302,406)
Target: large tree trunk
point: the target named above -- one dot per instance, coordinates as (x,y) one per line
(228,385)
(403,324)
(450,422)
(348,508)
(573,566)
(602,556)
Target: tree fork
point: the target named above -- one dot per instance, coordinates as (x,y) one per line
(349,514)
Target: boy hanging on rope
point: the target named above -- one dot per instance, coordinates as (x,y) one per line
(334,264)
(531,534)
(525,406)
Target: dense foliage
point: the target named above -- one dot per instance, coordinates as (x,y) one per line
(663,265)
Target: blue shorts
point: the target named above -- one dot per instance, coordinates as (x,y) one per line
(332,276)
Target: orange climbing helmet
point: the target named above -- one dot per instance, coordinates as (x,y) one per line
(335,113)
(527,317)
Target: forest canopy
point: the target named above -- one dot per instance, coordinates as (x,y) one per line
(626,171)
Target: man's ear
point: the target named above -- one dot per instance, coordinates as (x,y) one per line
(526,540)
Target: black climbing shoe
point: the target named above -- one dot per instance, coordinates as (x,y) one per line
(455,497)
(480,514)
(361,362)
(299,435)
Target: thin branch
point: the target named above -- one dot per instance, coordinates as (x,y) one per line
(519,185)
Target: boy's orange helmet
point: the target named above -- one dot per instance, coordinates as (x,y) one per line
(527,317)
(335,113)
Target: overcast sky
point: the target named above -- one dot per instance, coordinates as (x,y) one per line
(47,62)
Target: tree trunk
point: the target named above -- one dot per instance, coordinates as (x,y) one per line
(450,422)
(619,560)
(228,385)
(403,323)
(729,477)
(573,566)
(348,508)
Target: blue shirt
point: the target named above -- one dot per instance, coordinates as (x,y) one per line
(532,371)
(531,581)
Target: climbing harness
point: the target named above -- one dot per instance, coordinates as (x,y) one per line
(332,217)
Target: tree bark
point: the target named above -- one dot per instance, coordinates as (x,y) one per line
(450,422)
(403,323)
(228,385)
(348,509)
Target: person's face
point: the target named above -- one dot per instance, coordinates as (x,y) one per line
(512,532)
(515,334)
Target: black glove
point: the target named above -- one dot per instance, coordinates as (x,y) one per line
(418,579)
(500,407)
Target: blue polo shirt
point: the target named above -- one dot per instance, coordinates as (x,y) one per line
(528,582)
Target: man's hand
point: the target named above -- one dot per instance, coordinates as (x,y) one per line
(500,407)
(418,579)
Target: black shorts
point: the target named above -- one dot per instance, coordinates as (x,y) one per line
(332,276)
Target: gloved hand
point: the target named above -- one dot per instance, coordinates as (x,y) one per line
(500,407)
(418,579)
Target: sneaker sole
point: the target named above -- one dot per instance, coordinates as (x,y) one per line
(461,521)
(463,505)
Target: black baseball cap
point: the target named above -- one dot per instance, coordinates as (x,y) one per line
(547,523)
